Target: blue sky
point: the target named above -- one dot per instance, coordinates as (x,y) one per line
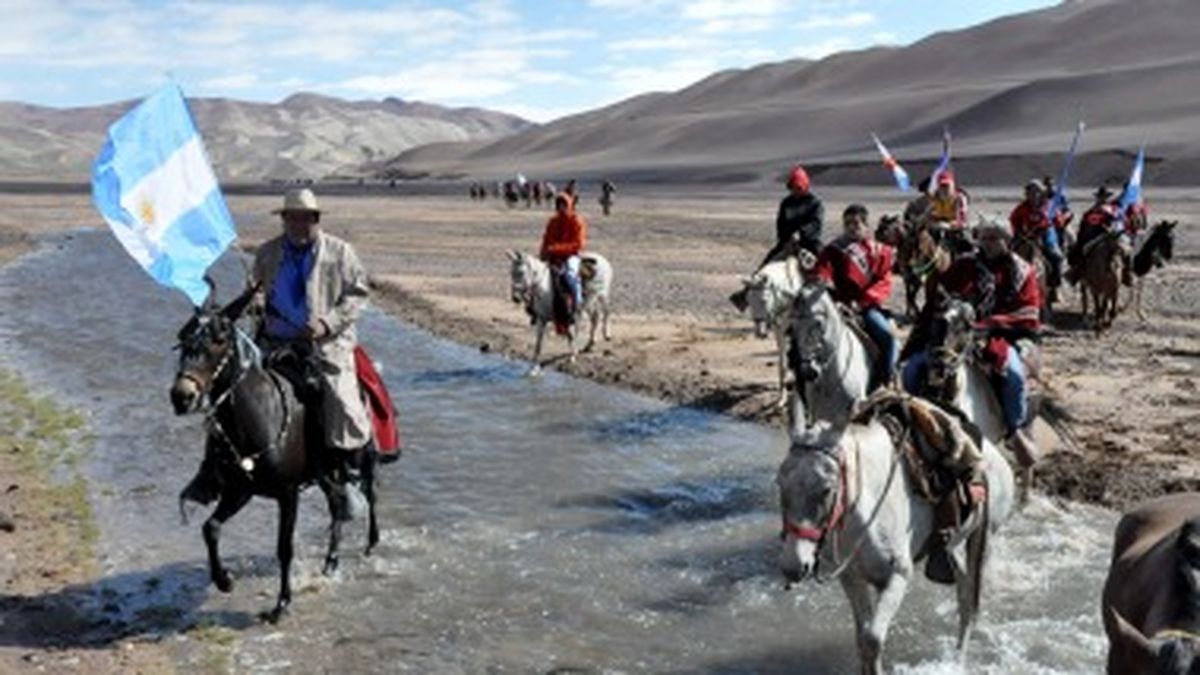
(537,58)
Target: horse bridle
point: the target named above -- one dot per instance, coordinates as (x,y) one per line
(836,522)
(213,424)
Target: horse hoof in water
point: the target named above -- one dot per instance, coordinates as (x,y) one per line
(331,566)
(272,617)
(223,582)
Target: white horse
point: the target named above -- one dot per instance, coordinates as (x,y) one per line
(851,511)
(533,287)
(770,293)
(832,363)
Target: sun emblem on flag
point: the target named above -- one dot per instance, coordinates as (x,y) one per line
(146,211)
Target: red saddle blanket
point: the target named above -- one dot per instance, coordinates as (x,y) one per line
(379,404)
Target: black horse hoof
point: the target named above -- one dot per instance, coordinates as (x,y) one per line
(272,617)
(369,550)
(223,582)
(331,566)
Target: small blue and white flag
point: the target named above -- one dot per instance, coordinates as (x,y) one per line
(154,186)
(889,162)
(943,163)
(1132,194)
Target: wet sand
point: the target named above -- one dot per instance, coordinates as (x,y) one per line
(439,262)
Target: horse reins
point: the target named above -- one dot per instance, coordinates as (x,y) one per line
(216,429)
(836,521)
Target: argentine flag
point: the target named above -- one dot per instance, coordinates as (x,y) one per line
(153,184)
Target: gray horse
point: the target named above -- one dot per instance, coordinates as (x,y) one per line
(851,511)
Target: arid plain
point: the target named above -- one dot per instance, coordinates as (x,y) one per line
(439,261)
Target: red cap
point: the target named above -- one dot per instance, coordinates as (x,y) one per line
(945,178)
(798,178)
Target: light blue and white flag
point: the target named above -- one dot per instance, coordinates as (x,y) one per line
(1132,194)
(1058,201)
(154,186)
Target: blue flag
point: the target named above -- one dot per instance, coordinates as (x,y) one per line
(1132,194)
(154,186)
(1058,200)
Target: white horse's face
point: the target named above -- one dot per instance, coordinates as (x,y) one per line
(809,481)
(521,281)
(760,297)
(810,331)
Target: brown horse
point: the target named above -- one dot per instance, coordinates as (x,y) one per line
(1103,259)
(918,257)
(1151,601)
(260,441)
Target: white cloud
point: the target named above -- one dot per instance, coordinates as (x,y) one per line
(818,50)
(885,38)
(651,44)
(852,20)
(669,76)
(708,10)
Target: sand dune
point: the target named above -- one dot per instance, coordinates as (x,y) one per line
(1013,87)
(304,136)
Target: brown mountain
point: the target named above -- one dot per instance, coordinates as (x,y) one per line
(304,136)
(1010,91)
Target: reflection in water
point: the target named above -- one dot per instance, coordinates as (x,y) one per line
(550,525)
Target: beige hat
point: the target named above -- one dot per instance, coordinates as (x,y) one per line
(301,199)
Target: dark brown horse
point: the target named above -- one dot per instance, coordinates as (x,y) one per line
(260,440)
(1154,253)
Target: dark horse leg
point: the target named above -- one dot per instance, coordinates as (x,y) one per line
(288,503)
(368,478)
(335,532)
(229,505)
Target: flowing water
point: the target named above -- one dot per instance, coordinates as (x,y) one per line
(548,525)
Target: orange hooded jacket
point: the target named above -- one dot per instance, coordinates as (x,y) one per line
(566,235)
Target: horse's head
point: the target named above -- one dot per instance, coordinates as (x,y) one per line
(770,291)
(813,334)
(521,277)
(811,502)
(206,347)
(1163,235)
(890,230)
(951,336)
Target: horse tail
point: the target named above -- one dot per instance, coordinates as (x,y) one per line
(1050,409)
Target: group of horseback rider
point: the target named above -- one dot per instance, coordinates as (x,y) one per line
(985,271)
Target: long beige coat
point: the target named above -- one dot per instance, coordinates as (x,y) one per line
(337,295)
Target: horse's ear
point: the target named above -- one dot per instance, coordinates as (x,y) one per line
(210,303)
(514,255)
(234,309)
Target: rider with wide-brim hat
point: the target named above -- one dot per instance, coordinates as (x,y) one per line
(314,291)
(1097,220)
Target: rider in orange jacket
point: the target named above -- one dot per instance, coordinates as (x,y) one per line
(563,240)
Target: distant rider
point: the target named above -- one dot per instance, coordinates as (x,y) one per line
(1030,219)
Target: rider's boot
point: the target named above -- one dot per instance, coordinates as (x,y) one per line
(940,565)
(1024,447)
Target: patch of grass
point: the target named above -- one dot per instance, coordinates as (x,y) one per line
(40,450)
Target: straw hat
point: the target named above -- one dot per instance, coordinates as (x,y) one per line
(301,199)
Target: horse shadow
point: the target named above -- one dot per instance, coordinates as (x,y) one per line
(144,604)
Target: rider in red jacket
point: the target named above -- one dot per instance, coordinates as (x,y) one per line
(1030,220)
(1003,289)
(859,270)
